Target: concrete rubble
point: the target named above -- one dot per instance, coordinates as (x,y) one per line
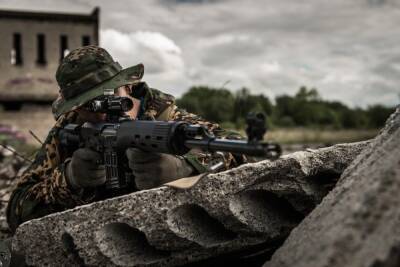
(358,222)
(11,166)
(257,203)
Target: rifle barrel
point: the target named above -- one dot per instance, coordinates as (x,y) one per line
(232,146)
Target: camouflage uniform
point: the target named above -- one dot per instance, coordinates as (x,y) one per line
(43,189)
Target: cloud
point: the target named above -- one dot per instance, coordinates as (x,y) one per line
(187,1)
(158,52)
(47,6)
(348,50)
(271,67)
(228,51)
(161,57)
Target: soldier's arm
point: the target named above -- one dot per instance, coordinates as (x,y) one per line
(42,189)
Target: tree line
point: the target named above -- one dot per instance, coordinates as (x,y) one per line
(305,109)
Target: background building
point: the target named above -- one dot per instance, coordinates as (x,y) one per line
(32,45)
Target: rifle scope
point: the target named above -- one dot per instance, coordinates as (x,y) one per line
(110,104)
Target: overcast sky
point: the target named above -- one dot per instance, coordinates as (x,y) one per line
(348,49)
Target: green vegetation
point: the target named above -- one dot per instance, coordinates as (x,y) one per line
(320,136)
(305,109)
(309,117)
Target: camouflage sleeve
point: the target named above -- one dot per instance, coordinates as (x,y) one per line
(42,189)
(201,160)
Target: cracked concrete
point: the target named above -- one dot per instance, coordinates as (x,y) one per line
(357,223)
(224,212)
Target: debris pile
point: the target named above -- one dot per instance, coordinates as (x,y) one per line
(11,166)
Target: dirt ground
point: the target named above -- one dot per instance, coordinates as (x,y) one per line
(38,119)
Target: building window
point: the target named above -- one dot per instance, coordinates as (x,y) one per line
(85,40)
(41,49)
(16,51)
(63,46)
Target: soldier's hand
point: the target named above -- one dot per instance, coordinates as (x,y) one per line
(84,170)
(154,169)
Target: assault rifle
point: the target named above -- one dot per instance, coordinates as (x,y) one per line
(119,132)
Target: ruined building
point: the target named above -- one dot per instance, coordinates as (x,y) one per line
(32,45)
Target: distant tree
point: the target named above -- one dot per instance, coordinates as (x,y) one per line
(378,114)
(305,94)
(306,109)
(245,102)
(210,103)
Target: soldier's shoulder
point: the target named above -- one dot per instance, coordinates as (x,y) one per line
(146,93)
(155,102)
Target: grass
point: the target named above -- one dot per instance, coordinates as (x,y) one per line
(317,136)
(313,136)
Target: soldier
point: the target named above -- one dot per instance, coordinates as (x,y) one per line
(58,180)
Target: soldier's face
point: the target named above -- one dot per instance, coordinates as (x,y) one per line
(95,117)
(125,91)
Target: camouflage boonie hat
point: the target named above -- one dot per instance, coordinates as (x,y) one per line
(85,73)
